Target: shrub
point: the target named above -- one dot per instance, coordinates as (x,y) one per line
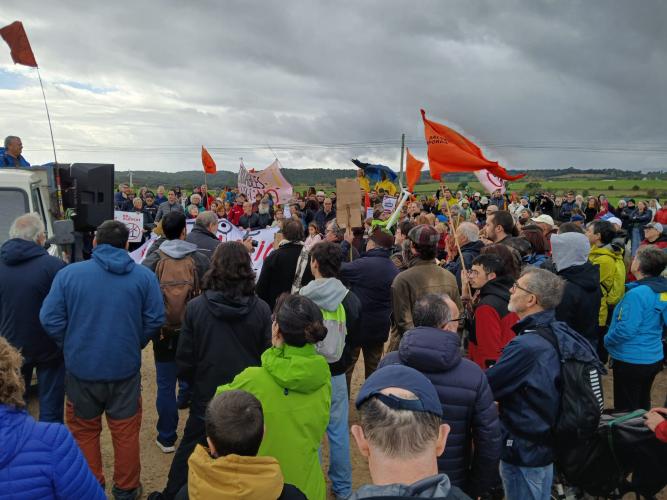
(585,193)
(610,187)
(651,193)
(635,187)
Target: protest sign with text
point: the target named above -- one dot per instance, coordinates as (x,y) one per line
(270,180)
(134,221)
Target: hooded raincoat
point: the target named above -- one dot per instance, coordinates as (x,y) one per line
(608,260)
(294,386)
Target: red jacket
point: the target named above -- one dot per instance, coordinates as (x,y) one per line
(661,215)
(235,214)
(661,431)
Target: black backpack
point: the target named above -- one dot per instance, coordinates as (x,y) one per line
(581,400)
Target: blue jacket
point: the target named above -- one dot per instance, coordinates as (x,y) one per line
(40,460)
(635,333)
(370,279)
(9,161)
(102,312)
(525,382)
(27,272)
(473,447)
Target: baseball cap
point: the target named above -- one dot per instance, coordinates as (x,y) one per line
(424,234)
(655,225)
(465,200)
(544,219)
(617,221)
(477,194)
(576,218)
(320,193)
(401,377)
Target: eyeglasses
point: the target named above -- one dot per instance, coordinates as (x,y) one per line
(516,285)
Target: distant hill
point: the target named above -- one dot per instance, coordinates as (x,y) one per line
(327,177)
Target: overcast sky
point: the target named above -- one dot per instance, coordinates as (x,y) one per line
(143,84)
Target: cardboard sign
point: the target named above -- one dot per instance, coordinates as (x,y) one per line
(134,222)
(348,203)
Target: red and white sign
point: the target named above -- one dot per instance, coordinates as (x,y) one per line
(270,180)
(490,181)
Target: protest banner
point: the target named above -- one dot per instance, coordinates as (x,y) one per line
(134,222)
(227,231)
(388,203)
(270,180)
(348,203)
(490,181)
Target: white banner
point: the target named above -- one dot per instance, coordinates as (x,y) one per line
(134,222)
(490,181)
(227,232)
(388,203)
(270,180)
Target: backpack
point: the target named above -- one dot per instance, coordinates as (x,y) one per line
(179,283)
(333,344)
(581,400)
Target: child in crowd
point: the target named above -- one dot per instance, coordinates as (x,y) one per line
(314,235)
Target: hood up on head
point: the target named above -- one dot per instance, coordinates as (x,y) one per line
(569,249)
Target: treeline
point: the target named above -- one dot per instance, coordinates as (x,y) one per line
(325,176)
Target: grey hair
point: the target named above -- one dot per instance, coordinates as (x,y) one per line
(205,219)
(398,433)
(193,197)
(333,226)
(9,139)
(431,310)
(470,231)
(545,285)
(27,227)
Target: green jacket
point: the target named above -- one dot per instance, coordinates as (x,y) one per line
(294,386)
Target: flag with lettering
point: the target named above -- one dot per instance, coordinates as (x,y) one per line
(17,39)
(449,151)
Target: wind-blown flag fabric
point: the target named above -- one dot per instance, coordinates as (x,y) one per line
(413,170)
(207,161)
(17,39)
(449,151)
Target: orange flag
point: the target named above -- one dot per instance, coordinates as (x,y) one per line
(449,151)
(15,36)
(413,170)
(207,161)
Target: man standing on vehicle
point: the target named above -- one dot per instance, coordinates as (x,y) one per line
(102,312)
(10,155)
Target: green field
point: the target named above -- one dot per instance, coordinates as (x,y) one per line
(614,189)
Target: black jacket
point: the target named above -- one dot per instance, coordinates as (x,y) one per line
(221,336)
(249,221)
(277,273)
(322,218)
(370,278)
(469,251)
(26,274)
(581,300)
(473,447)
(352,306)
(206,241)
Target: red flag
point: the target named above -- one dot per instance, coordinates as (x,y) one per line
(413,169)
(16,38)
(207,161)
(449,151)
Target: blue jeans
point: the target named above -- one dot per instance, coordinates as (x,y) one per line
(51,386)
(338,434)
(636,237)
(526,483)
(166,402)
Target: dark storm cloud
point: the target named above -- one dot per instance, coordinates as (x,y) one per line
(588,74)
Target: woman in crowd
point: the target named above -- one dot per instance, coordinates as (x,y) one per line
(279,218)
(592,209)
(538,245)
(224,331)
(294,386)
(192,212)
(38,460)
(638,219)
(220,211)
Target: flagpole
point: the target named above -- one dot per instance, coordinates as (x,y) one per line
(400,174)
(456,239)
(59,193)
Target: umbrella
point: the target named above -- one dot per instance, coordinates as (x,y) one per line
(373,171)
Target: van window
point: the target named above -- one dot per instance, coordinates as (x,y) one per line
(38,206)
(13,202)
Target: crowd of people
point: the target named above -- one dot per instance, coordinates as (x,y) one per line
(465,312)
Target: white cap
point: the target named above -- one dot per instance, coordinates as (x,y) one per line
(544,219)
(615,220)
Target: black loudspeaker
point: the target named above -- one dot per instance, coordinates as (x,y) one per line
(88,188)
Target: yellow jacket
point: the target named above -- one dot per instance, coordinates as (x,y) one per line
(388,187)
(610,263)
(233,477)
